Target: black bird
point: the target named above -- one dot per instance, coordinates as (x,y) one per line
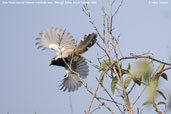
(68,54)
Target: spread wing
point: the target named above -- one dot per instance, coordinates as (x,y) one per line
(71,81)
(57,39)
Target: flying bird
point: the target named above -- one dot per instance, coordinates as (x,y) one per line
(68,54)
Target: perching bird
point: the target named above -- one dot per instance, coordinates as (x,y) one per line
(68,54)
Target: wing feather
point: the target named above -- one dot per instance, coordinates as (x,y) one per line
(57,39)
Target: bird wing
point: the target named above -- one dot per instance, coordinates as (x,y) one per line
(57,39)
(72,81)
(87,42)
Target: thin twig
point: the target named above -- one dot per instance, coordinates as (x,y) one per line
(116,103)
(70,102)
(104,20)
(85,85)
(94,94)
(131,88)
(86,11)
(96,109)
(101,47)
(139,111)
(118,8)
(94,65)
(156,109)
(139,96)
(165,109)
(117,42)
(145,57)
(165,69)
(110,101)
(118,75)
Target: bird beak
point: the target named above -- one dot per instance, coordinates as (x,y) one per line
(50,64)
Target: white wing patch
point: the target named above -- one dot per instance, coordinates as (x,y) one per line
(57,39)
(54,46)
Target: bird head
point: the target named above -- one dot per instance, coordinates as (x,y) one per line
(58,61)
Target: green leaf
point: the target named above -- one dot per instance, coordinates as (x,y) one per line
(101,83)
(137,80)
(124,71)
(104,64)
(146,78)
(163,75)
(102,77)
(147,103)
(127,81)
(113,84)
(129,67)
(85,111)
(162,94)
(152,90)
(161,102)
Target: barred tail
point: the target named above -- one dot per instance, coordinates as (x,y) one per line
(87,42)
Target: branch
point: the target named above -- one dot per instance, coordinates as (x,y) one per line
(139,96)
(70,101)
(94,65)
(86,11)
(95,109)
(117,8)
(156,109)
(110,101)
(101,77)
(118,75)
(85,85)
(116,103)
(168,68)
(131,88)
(104,20)
(145,57)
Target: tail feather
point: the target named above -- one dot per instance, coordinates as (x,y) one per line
(71,81)
(87,42)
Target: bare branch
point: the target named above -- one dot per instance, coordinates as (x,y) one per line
(96,109)
(94,65)
(139,96)
(86,11)
(104,19)
(118,8)
(156,109)
(145,57)
(131,88)
(116,103)
(85,85)
(94,94)
(70,101)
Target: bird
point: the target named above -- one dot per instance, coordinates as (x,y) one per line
(69,54)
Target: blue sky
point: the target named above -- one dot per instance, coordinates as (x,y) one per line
(29,85)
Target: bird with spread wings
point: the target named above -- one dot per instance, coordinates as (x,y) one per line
(68,54)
